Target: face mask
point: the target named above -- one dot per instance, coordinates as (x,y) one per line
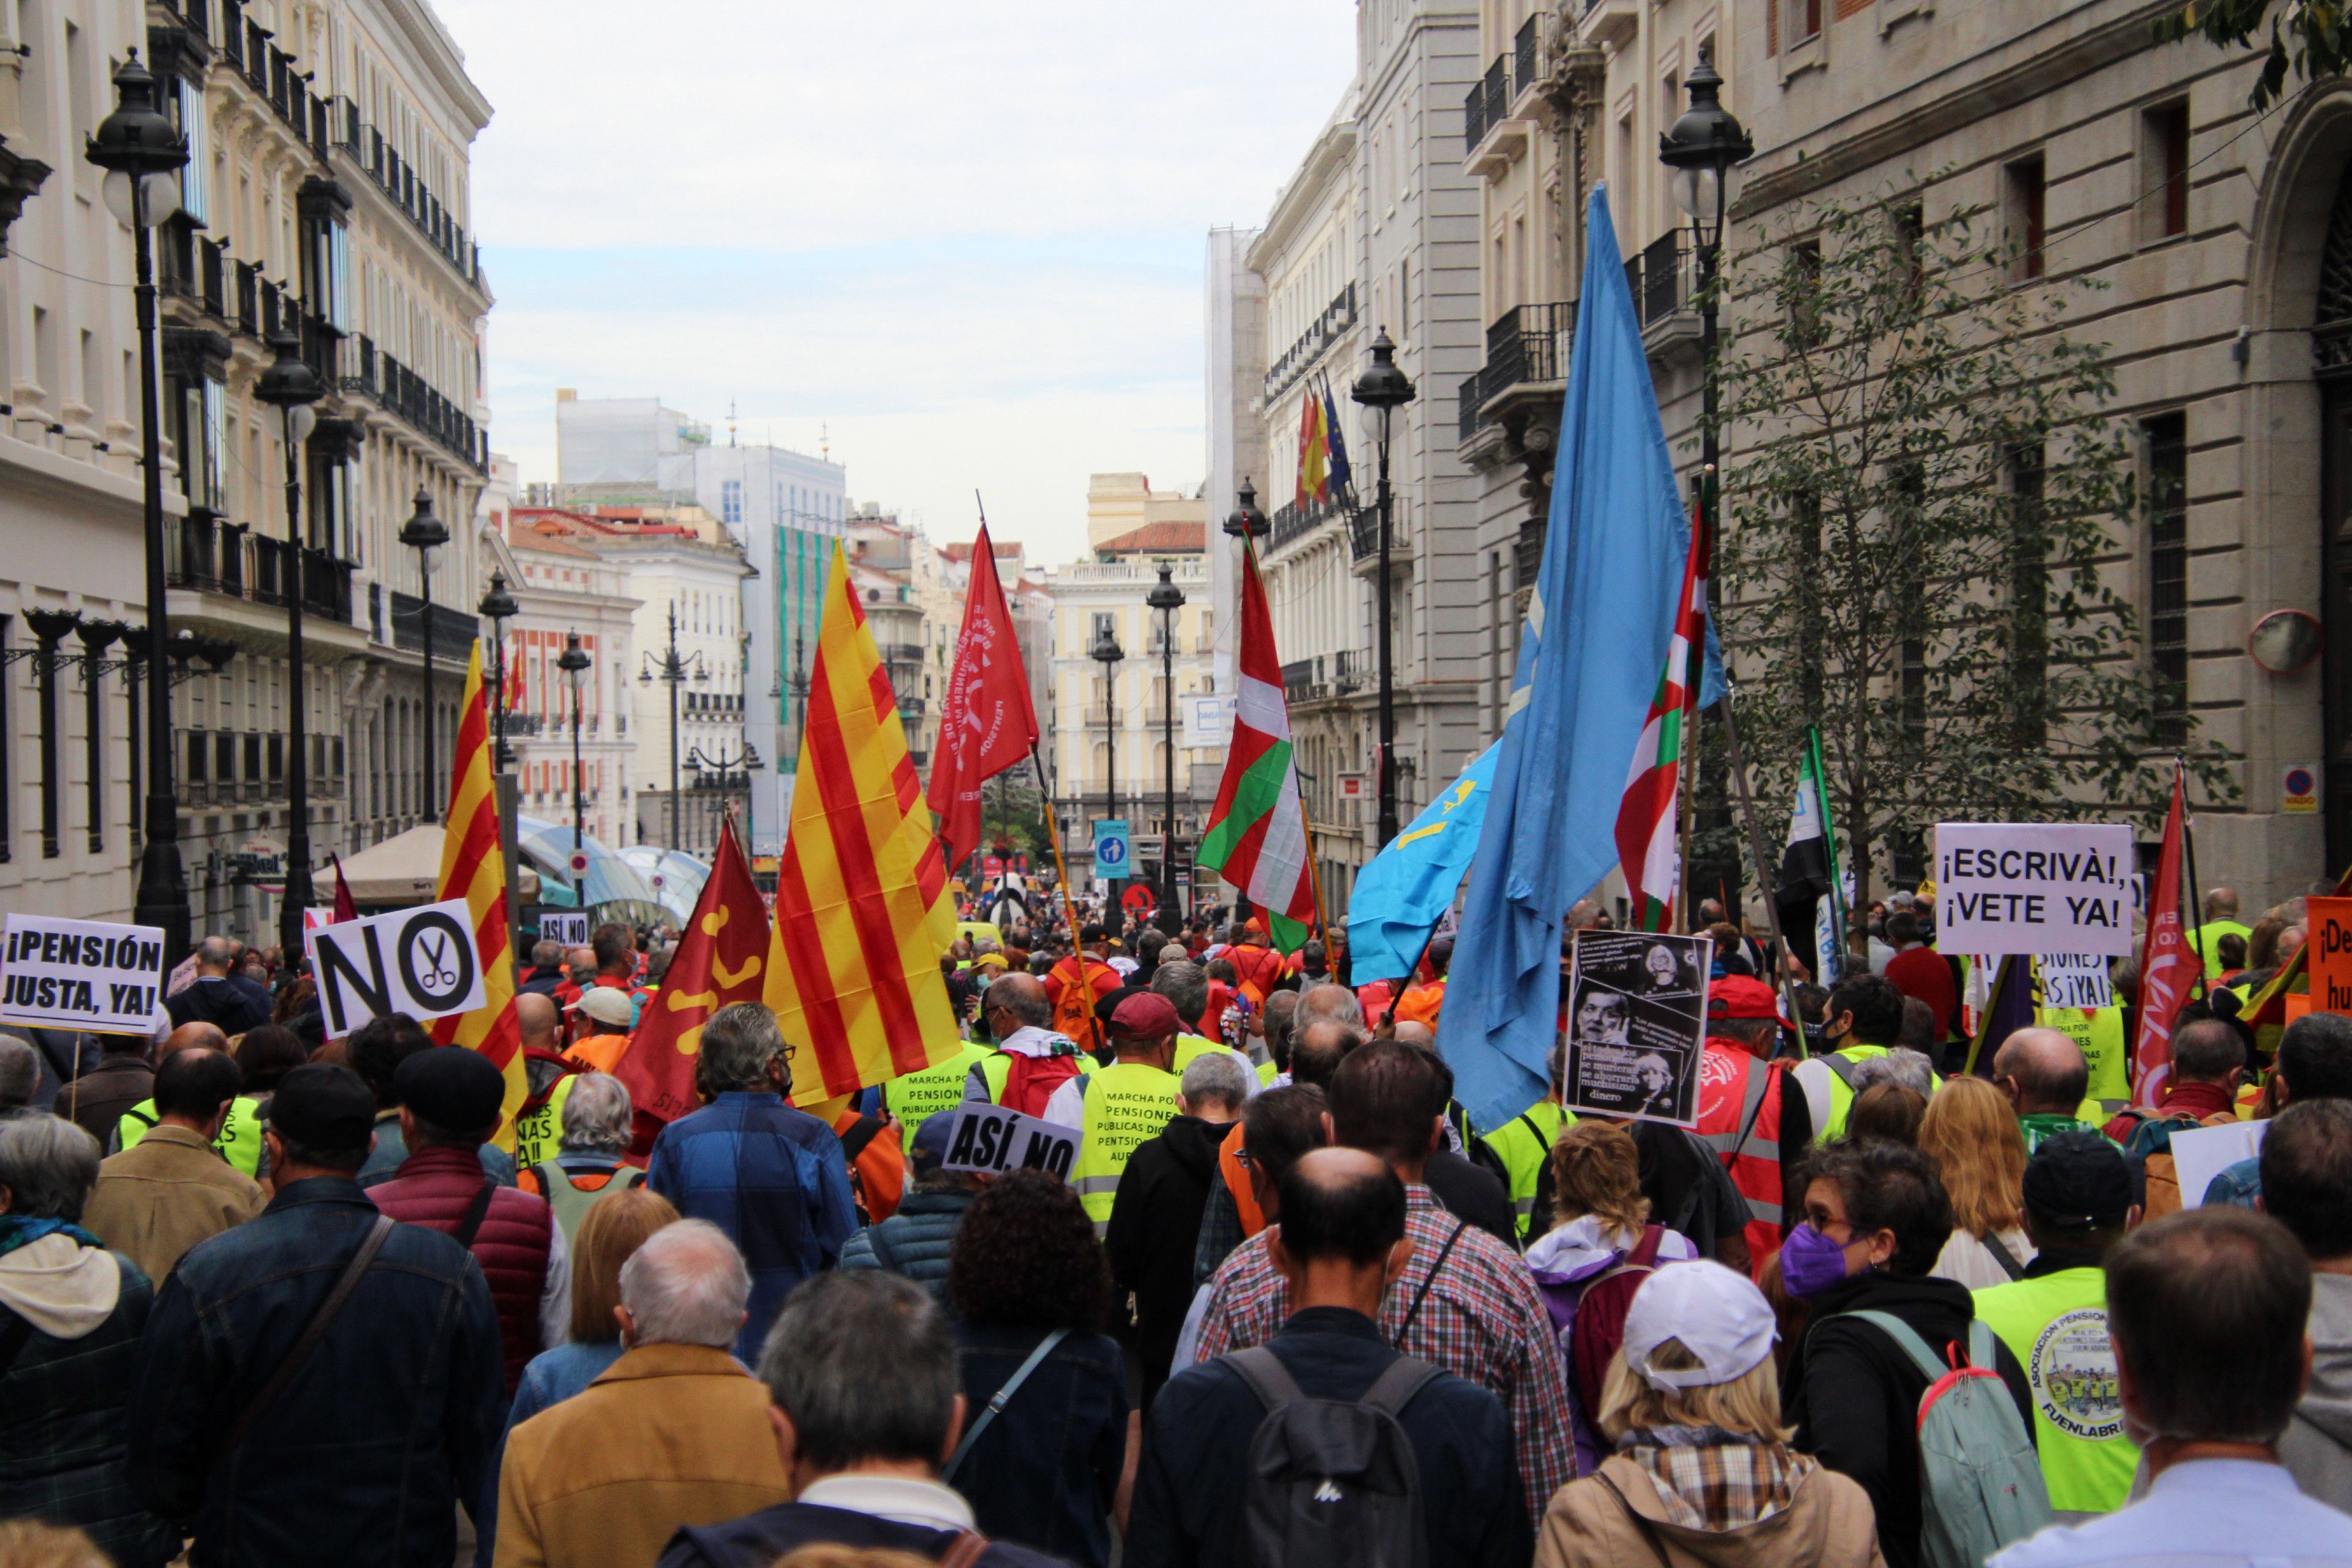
(1811,1262)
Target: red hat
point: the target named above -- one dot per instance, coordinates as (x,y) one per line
(1146,1015)
(1741,996)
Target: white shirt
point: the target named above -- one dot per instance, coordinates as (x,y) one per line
(2203,1513)
(927,1505)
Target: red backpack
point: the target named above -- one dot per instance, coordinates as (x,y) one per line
(1598,1329)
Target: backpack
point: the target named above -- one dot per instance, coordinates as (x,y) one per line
(1597,1331)
(1980,1485)
(1332,1483)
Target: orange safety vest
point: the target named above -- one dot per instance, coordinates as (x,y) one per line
(1259,970)
(1237,1182)
(1739,1119)
(880,1168)
(1421,1004)
(1074,986)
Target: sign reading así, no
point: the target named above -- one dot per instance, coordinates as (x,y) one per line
(990,1140)
(421,961)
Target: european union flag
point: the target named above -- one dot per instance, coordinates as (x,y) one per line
(1337,465)
(1409,886)
(1598,626)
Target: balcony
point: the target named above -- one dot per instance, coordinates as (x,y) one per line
(396,178)
(1325,675)
(1526,352)
(210,555)
(1523,55)
(1299,357)
(1664,281)
(245,46)
(1491,139)
(454,630)
(524,726)
(396,389)
(1611,22)
(899,655)
(1364,536)
(1527,552)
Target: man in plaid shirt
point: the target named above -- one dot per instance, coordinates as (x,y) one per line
(1464,1302)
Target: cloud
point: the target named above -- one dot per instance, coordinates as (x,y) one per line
(964,241)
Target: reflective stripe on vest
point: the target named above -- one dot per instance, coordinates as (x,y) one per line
(539,1134)
(1754,1163)
(1123,1105)
(571,1204)
(914,1098)
(2057,1326)
(238,1141)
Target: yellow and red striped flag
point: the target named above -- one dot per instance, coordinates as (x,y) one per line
(861,907)
(474,868)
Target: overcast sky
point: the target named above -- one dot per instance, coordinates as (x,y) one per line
(965,240)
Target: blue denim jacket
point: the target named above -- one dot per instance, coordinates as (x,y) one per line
(364,1457)
(1045,1473)
(2238,1186)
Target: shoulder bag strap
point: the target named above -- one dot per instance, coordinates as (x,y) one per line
(1640,1520)
(1645,1251)
(1428,1279)
(1528,1120)
(1394,1388)
(965,1550)
(1906,1340)
(312,1332)
(476,1212)
(1267,1378)
(1980,1351)
(1004,1395)
(861,1132)
(2003,1255)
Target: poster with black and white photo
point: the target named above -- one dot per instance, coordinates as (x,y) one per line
(1636,1025)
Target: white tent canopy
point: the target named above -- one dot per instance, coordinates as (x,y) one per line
(403,870)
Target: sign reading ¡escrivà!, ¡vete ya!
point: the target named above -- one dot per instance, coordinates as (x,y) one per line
(421,961)
(991,1140)
(80,974)
(2030,888)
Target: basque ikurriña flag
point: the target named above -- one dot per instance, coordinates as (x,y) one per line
(1257,837)
(1646,847)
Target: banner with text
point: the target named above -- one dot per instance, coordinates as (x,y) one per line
(2331,953)
(2007,888)
(80,974)
(990,1140)
(2076,980)
(421,961)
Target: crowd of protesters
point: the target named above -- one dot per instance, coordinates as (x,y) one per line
(267,1296)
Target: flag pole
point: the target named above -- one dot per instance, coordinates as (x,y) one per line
(2191,917)
(1314,881)
(1070,909)
(1694,676)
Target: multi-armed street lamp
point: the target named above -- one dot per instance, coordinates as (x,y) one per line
(1384,389)
(142,154)
(671,671)
(291,386)
(1168,598)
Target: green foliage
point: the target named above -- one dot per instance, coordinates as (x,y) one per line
(1920,552)
(2306,37)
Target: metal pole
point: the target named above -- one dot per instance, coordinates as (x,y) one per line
(1110,776)
(1387,824)
(1168,740)
(674,673)
(163,895)
(297,896)
(424,571)
(501,758)
(579,798)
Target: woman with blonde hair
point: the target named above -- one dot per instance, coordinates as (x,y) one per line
(1972,1135)
(1600,1224)
(1703,1471)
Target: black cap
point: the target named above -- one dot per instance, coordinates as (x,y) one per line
(323,1107)
(2078,1181)
(930,1149)
(455,1090)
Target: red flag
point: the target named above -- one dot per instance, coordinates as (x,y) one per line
(2166,964)
(345,910)
(723,958)
(986,722)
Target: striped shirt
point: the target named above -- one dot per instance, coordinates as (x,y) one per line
(1482,1320)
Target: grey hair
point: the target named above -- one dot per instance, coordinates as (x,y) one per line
(1184,984)
(1027,1003)
(215,952)
(1174,953)
(863,1363)
(48,1166)
(1318,1003)
(1215,1074)
(1901,1065)
(20,1073)
(596,1115)
(985,944)
(546,954)
(686,1285)
(738,1044)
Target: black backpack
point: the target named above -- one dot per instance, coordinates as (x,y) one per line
(1332,1483)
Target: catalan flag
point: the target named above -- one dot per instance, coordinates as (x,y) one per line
(862,905)
(474,868)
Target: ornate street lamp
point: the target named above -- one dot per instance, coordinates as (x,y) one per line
(142,154)
(291,386)
(672,672)
(574,663)
(1108,653)
(498,607)
(425,533)
(1168,598)
(1384,389)
(1702,149)
(1245,522)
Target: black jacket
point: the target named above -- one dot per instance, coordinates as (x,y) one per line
(390,1423)
(758,1540)
(1853,1394)
(231,1001)
(1469,1191)
(1046,1470)
(1155,1224)
(1196,1441)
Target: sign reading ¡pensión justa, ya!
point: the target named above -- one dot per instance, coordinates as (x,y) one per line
(2032,888)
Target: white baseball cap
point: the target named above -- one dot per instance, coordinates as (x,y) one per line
(1718,1315)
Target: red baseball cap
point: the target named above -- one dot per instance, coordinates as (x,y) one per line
(1741,996)
(1146,1015)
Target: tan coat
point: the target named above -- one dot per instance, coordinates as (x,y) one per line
(669,1435)
(167,1192)
(1828,1524)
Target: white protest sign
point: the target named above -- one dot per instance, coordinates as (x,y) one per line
(571,930)
(990,1140)
(2201,1153)
(2033,887)
(2076,980)
(80,974)
(421,961)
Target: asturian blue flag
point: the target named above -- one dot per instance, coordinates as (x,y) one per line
(1400,896)
(1597,629)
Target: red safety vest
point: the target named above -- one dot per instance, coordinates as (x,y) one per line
(1739,1119)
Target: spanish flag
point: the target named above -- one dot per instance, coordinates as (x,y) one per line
(861,907)
(475,869)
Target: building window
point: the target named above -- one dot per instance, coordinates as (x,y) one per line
(1804,294)
(2164,171)
(2168,560)
(1805,19)
(730,502)
(2026,193)
(2029,595)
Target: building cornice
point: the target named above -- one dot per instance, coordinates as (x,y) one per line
(1295,209)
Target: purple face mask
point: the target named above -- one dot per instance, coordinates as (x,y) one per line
(1811,1262)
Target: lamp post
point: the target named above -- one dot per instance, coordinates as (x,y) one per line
(498,607)
(425,533)
(291,386)
(672,672)
(1108,653)
(574,663)
(1246,520)
(721,769)
(1167,598)
(1384,389)
(1702,149)
(142,154)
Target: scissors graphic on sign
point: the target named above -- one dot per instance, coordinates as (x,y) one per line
(443,974)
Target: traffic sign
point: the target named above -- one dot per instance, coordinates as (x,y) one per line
(1139,898)
(579,862)
(1110,848)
